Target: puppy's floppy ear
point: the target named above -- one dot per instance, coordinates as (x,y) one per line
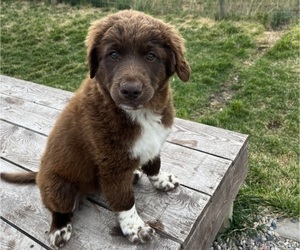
(93,43)
(93,62)
(176,61)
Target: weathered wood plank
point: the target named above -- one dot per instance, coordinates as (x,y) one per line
(21,146)
(212,140)
(40,94)
(27,114)
(94,226)
(213,215)
(11,238)
(194,169)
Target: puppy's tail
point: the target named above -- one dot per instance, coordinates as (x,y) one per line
(19,178)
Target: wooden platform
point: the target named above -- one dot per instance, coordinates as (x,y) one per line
(210,162)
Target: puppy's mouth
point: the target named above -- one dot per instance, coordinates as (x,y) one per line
(131,95)
(131,107)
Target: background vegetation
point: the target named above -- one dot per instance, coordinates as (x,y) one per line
(266,10)
(245,76)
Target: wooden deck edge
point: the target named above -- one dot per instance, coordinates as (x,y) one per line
(212,217)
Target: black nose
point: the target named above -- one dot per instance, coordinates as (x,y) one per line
(131,90)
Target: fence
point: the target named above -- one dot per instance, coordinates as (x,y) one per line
(274,11)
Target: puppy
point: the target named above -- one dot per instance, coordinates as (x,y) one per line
(114,125)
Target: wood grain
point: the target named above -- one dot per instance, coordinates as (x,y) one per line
(194,169)
(21,146)
(36,93)
(208,139)
(11,239)
(94,226)
(213,215)
(27,114)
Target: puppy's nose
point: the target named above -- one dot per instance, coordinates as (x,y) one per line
(131,90)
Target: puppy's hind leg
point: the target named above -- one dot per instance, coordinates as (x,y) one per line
(61,229)
(137,174)
(59,197)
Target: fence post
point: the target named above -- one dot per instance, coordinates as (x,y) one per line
(222,9)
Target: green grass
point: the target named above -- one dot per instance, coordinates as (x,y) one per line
(236,84)
(274,13)
(267,108)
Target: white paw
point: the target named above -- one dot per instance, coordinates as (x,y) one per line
(134,228)
(60,237)
(137,174)
(164,181)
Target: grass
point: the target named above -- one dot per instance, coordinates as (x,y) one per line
(266,106)
(241,80)
(270,12)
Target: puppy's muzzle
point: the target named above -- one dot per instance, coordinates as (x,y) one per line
(131,90)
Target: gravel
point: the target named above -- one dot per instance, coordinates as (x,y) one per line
(265,239)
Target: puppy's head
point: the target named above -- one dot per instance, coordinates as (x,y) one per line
(132,55)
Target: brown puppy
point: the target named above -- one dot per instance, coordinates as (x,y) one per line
(115,123)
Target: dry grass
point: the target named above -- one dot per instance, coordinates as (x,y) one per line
(272,13)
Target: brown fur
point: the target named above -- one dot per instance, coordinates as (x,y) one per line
(21,178)
(88,148)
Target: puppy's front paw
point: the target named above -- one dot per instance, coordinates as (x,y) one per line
(134,228)
(139,233)
(59,237)
(164,181)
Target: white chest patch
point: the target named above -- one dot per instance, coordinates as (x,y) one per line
(152,137)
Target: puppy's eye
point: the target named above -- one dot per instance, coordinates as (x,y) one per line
(150,57)
(114,55)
